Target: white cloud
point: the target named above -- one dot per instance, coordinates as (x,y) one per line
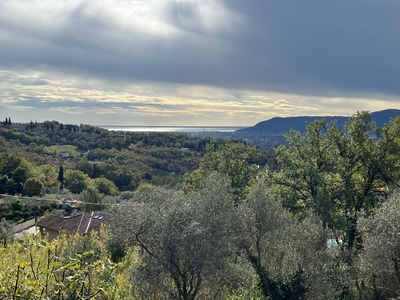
(166,104)
(221,61)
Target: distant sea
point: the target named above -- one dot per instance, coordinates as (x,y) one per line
(186,129)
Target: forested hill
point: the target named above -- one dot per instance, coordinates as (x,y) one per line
(126,159)
(280,125)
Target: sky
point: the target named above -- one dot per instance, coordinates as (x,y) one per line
(196,62)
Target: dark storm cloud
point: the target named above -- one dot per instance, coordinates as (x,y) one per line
(325,46)
(310,47)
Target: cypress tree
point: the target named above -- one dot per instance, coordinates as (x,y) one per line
(61,177)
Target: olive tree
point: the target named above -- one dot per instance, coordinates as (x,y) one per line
(186,240)
(288,254)
(379,262)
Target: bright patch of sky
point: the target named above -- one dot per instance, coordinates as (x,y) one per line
(192,62)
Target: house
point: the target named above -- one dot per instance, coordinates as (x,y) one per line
(82,223)
(63,154)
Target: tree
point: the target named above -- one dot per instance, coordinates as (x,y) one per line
(124,179)
(32,147)
(233,160)
(81,144)
(186,240)
(6,231)
(61,177)
(48,175)
(337,173)
(14,171)
(379,262)
(105,186)
(86,167)
(93,200)
(76,181)
(144,186)
(288,255)
(33,187)
(263,222)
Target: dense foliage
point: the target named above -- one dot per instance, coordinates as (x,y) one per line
(125,158)
(324,225)
(339,173)
(186,238)
(76,268)
(18,210)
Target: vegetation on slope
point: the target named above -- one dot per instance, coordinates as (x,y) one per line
(323,225)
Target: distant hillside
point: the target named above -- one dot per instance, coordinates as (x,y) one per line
(280,125)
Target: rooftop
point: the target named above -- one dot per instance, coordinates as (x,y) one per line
(80,223)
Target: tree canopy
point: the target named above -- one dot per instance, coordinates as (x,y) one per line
(76,181)
(186,239)
(14,171)
(336,172)
(233,160)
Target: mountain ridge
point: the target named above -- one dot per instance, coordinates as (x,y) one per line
(281,125)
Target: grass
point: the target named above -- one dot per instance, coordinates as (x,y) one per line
(62,148)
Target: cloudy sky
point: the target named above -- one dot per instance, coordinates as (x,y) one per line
(196,62)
